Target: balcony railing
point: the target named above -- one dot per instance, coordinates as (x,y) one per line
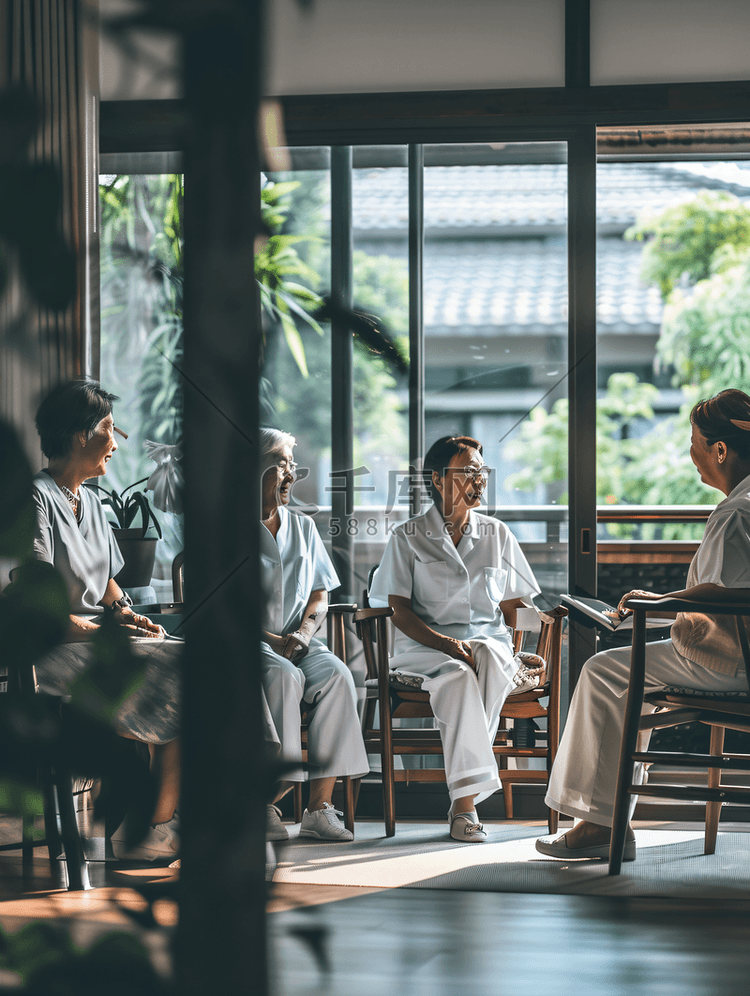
(376,522)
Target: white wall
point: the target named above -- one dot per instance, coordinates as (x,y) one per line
(361,46)
(150,72)
(660,41)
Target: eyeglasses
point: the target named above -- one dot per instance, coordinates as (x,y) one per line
(286,467)
(472,473)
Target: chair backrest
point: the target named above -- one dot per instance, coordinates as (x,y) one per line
(335,629)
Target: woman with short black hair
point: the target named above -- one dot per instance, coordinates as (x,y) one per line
(454,579)
(703,651)
(77,431)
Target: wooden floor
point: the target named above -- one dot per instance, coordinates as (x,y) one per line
(418,942)
(444,943)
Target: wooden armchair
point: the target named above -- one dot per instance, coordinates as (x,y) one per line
(730,711)
(336,640)
(399,702)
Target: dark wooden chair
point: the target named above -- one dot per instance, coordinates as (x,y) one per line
(397,701)
(55,781)
(730,711)
(336,640)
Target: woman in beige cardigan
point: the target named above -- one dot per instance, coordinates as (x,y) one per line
(703,651)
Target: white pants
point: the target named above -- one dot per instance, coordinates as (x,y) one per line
(584,776)
(467,710)
(334,734)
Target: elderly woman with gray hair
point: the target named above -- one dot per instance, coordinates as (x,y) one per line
(297,575)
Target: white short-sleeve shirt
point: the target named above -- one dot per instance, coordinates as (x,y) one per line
(293,566)
(723,558)
(454,589)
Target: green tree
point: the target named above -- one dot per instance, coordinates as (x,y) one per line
(705,334)
(698,254)
(706,331)
(632,467)
(545,435)
(685,239)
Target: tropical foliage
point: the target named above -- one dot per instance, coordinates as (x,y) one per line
(279,270)
(142,330)
(297,395)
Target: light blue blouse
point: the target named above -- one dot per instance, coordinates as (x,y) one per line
(86,553)
(293,566)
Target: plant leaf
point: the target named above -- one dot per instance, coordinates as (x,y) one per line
(294,342)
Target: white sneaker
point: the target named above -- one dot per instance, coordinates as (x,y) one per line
(324,824)
(275,829)
(161,843)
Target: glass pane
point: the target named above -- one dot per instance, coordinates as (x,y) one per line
(380,217)
(673,265)
(294,267)
(495,308)
(141,333)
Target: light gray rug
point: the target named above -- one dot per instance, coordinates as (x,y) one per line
(670,863)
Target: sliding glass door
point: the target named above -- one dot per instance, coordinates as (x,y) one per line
(496,330)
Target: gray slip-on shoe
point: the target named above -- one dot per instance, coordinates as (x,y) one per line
(557,847)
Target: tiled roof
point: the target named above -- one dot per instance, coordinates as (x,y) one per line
(495,252)
(475,287)
(522,197)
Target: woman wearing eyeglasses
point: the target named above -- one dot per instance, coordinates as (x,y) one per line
(454,579)
(297,575)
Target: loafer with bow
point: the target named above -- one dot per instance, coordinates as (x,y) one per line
(557,847)
(464,827)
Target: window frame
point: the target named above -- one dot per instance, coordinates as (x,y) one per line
(571,115)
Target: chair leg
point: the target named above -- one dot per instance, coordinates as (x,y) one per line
(628,744)
(508,799)
(389,792)
(51,828)
(553,820)
(713,809)
(349,803)
(297,795)
(78,872)
(27,844)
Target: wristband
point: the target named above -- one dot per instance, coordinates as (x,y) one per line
(123,602)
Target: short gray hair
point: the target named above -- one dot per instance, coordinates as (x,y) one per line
(272,442)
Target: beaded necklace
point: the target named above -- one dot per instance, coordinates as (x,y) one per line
(75,503)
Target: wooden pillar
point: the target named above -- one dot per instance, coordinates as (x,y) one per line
(220,944)
(49,51)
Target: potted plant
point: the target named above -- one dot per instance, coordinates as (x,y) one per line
(138,549)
